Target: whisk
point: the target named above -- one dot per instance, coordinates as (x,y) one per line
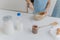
(52,24)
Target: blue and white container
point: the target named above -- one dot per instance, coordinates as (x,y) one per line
(19,24)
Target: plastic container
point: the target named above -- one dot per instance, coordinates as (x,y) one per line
(19,24)
(8,25)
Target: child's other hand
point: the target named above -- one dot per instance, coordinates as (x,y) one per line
(45,13)
(31,6)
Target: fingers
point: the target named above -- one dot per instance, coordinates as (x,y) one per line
(31,6)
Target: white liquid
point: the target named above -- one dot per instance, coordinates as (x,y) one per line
(9,27)
(19,26)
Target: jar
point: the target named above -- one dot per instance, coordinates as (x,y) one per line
(35,29)
(8,25)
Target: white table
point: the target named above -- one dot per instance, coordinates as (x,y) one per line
(26,34)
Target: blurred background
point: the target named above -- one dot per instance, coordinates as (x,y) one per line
(21,6)
(56,12)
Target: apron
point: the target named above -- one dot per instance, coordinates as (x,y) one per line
(40,5)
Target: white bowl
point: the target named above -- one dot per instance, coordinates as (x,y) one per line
(53,31)
(38,17)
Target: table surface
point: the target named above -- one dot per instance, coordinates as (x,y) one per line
(28,22)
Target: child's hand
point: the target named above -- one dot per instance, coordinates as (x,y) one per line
(31,6)
(45,13)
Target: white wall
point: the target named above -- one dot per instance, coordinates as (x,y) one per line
(13,5)
(21,5)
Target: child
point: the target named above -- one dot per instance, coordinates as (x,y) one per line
(39,5)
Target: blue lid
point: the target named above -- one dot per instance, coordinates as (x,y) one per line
(18,14)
